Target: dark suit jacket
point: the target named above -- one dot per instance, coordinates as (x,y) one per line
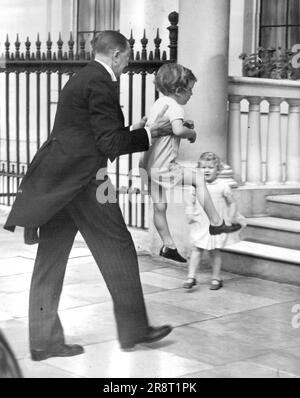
(88,129)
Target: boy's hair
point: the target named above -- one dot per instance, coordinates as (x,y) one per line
(211,157)
(109,40)
(172,76)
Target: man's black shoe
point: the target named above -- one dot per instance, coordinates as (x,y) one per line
(153,334)
(63,350)
(223,228)
(171,254)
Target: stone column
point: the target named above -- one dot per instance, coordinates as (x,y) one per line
(203,47)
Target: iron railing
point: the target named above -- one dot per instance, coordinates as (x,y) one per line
(32,82)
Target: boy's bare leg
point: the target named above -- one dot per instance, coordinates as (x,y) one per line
(159,200)
(161,224)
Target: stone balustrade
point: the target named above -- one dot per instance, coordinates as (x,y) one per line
(264,130)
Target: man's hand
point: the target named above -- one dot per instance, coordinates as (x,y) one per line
(161,126)
(140,124)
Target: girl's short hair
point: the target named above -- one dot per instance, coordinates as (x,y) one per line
(172,76)
(211,157)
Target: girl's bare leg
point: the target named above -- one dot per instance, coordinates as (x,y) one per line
(216,260)
(194,262)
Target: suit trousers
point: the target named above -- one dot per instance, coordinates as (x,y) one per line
(104,230)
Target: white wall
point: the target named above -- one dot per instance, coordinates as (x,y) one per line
(29,17)
(147,14)
(236,37)
(244,23)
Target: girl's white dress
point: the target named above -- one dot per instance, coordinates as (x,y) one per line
(200,237)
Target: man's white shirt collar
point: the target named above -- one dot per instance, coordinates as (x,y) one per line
(109,70)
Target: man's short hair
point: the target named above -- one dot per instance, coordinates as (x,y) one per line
(108,40)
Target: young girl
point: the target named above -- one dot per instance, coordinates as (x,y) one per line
(201,239)
(158,166)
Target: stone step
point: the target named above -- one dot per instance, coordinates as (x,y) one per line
(284,206)
(263,261)
(273,231)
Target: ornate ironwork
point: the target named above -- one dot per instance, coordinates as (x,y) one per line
(57,61)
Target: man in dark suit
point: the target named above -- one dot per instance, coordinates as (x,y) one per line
(58,196)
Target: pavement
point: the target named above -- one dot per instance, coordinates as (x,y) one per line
(248,329)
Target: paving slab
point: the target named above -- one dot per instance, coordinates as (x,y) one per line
(243,330)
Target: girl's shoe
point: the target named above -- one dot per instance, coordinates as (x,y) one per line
(189,283)
(216,284)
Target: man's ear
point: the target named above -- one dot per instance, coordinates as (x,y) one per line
(115,55)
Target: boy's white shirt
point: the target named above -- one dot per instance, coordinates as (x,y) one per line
(174,111)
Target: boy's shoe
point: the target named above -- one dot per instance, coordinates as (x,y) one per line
(189,283)
(216,284)
(223,228)
(171,254)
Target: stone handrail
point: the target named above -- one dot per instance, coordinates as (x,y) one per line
(264,142)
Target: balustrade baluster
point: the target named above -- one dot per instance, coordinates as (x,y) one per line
(293,142)
(274,164)
(254,142)
(234,137)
